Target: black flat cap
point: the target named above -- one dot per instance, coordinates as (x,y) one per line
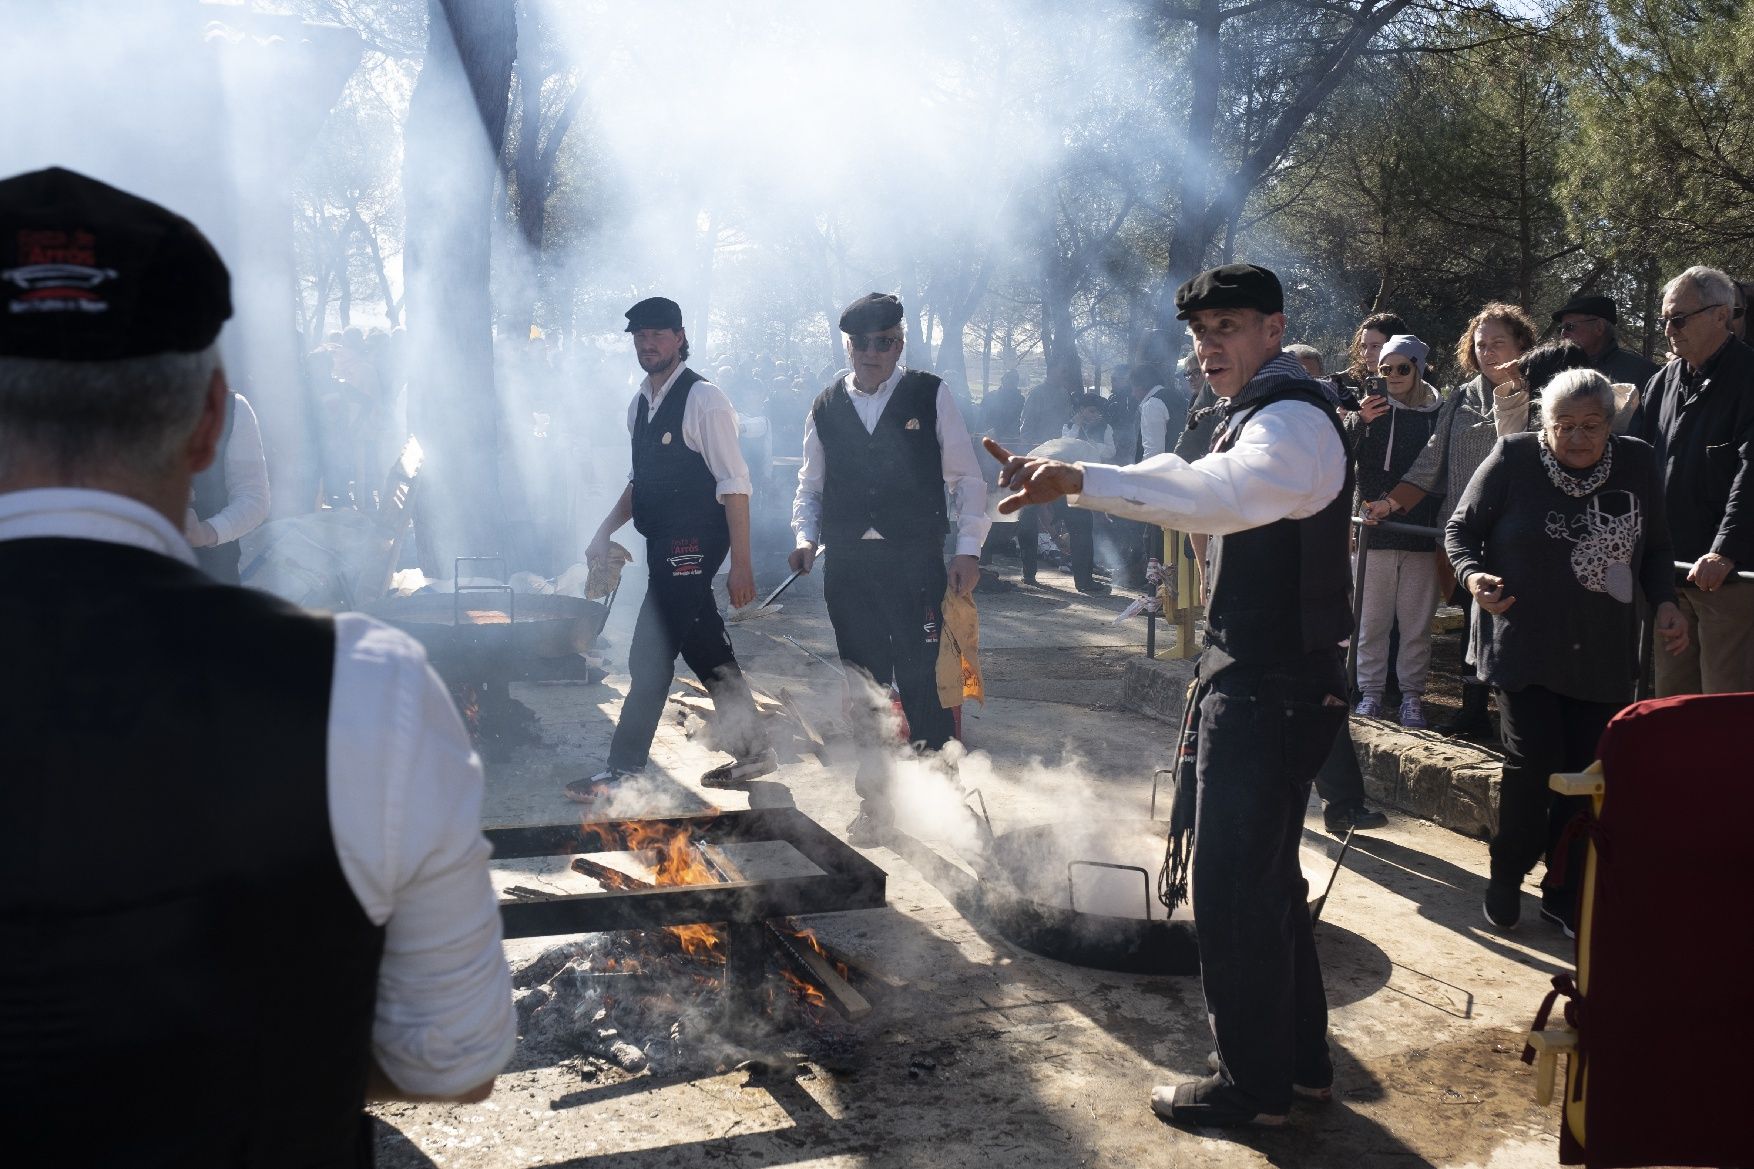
(871,313)
(654,312)
(91,273)
(1232,286)
(1591,306)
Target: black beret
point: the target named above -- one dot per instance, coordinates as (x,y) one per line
(871,313)
(654,312)
(91,273)
(1232,286)
(1590,306)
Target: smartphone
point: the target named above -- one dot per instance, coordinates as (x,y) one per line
(1376,386)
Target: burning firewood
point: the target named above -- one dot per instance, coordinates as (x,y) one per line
(608,877)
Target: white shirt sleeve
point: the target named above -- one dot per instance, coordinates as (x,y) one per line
(962,475)
(709,426)
(807,504)
(405,806)
(1153,427)
(246,478)
(1288,463)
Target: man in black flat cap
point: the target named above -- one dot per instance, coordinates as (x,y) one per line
(881,446)
(688,495)
(307,917)
(1274,494)
(1588,322)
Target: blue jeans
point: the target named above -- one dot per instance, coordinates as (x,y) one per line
(1264,732)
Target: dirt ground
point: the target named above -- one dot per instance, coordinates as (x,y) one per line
(978,1052)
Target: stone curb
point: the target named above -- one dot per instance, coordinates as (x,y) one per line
(1451,783)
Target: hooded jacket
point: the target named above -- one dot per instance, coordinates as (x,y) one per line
(1382,452)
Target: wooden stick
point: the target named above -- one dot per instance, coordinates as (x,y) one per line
(608,877)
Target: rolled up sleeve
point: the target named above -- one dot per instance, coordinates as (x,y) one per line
(405,800)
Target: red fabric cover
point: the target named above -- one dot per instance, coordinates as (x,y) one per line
(1665,1031)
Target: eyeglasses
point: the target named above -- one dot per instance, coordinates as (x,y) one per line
(1574,326)
(1400,370)
(879,344)
(1591,430)
(1679,320)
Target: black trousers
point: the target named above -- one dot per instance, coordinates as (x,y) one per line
(680,616)
(1543,732)
(1079,528)
(885,602)
(1263,734)
(1340,781)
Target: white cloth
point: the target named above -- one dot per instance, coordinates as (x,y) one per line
(709,428)
(405,810)
(1102,449)
(1153,426)
(246,480)
(1288,463)
(962,473)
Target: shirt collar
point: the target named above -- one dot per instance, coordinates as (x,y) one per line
(80,514)
(652,395)
(883,387)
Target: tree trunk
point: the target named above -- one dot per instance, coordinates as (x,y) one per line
(455,130)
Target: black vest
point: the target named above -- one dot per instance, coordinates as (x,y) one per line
(186,978)
(1283,591)
(891,478)
(212,493)
(674,492)
(1178,420)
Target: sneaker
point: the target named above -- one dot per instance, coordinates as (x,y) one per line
(868,830)
(594,788)
(1413,714)
(735,776)
(1503,905)
(1316,1095)
(1340,818)
(1556,908)
(1213,1102)
(1370,706)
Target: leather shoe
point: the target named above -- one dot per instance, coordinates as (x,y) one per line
(1340,818)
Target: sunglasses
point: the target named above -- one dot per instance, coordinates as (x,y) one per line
(1401,369)
(1679,320)
(877,344)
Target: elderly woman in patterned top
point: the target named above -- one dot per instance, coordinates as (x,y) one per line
(1555,535)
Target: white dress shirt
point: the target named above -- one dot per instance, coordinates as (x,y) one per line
(709,428)
(962,473)
(1287,463)
(246,480)
(404,793)
(1153,425)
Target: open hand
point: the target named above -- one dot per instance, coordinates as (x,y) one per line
(1033,480)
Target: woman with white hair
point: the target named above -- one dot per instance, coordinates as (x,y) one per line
(1555,535)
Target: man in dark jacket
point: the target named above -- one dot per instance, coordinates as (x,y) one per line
(1698,412)
(1588,322)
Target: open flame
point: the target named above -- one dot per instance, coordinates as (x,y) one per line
(669,850)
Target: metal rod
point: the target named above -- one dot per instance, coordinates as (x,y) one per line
(1321,903)
(1357,603)
(1071,895)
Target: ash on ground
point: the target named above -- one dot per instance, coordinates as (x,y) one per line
(624,1004)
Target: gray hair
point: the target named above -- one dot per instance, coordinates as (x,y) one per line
(1301,350)
(86,417)
(1713,286)
(1584,386)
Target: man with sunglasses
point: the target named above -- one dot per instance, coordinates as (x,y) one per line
(1698,412)
(881,445)
(1588,322)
